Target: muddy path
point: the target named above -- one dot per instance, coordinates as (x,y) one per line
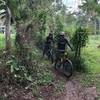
(72,91)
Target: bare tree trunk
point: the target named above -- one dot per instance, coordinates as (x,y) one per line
(7,31)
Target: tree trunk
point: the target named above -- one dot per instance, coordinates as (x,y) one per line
(7,30)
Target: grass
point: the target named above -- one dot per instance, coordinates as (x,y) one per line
(2,40)
(92,56)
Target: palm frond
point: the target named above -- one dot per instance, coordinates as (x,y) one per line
(2,12)
(1,1)
(3,16)
(2,6)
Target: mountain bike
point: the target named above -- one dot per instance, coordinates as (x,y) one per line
(64,65)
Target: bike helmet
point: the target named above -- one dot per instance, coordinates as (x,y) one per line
(62,33)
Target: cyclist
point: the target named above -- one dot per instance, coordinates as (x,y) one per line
(61,44)
(48,44)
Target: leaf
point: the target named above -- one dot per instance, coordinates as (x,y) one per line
(2,17)
(15,75)
(9,62)
(2,12)
(13,7)
(16,68)
(2,6)
(12,69)
(29,78)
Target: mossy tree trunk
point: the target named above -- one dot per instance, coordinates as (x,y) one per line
(23,43)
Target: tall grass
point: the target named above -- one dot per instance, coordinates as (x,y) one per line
(92,54)
(2,40)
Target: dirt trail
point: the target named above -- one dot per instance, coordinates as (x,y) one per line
(73,91)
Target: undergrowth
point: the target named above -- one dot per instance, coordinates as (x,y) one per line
(41,74)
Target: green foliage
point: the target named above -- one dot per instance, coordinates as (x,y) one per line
(45,77)
(59,86)
(35,52)
(59,26)
(79,41)
(23,16)
(82,65)
(91,54)
(12,5)
(2,40)
(42,18)
(91,80)
(80,38)
(98,8)
(19,73)
(40,40)
(90,6)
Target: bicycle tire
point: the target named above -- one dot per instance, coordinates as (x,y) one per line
(68,68)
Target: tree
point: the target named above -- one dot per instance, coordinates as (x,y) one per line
(10,9)
(91,8)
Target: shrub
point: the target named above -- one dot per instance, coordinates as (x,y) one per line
(19,73)
(79,41)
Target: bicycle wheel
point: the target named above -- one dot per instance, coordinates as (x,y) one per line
(68,68)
